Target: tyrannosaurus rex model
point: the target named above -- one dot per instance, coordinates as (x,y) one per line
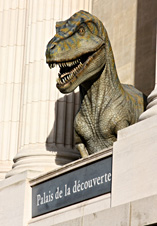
(82,50)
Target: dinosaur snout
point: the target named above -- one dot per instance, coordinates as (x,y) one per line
(49,51)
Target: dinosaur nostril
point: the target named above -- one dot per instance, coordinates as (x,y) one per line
(51,46)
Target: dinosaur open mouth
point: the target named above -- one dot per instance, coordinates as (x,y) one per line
(70,69)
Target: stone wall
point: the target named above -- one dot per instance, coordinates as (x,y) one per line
(132,31)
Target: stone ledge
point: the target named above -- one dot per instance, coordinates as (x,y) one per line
(137,128)
(71,166)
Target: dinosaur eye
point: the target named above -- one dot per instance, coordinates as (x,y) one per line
(81,31)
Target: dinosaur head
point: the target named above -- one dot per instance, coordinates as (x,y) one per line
(78,48)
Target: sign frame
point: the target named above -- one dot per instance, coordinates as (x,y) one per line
(77,185)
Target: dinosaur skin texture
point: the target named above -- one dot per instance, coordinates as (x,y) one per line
(82,50)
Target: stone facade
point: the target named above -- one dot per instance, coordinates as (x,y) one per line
(36,121)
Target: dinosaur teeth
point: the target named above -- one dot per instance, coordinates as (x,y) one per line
(51,65)
(65,64)
(66,76)
(69,63)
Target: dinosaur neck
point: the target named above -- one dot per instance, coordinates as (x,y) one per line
(106,84)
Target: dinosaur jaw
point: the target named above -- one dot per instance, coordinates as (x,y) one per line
(72,73)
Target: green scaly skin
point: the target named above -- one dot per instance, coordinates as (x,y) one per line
(82,50)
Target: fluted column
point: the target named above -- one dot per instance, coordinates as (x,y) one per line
(12,35)
(152,98)
(46,116)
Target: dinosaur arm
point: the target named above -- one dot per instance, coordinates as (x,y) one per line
(82,149)
(80,146)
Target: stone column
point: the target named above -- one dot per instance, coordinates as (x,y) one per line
(46,116)
(152,98)
(12,30)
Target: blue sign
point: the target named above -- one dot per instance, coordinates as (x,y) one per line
(72,187)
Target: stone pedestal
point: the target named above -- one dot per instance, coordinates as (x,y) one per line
(132,202)
(15,199)
(16,194)
(134,162)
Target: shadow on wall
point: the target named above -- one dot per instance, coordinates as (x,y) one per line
(61,138)
(145,53)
